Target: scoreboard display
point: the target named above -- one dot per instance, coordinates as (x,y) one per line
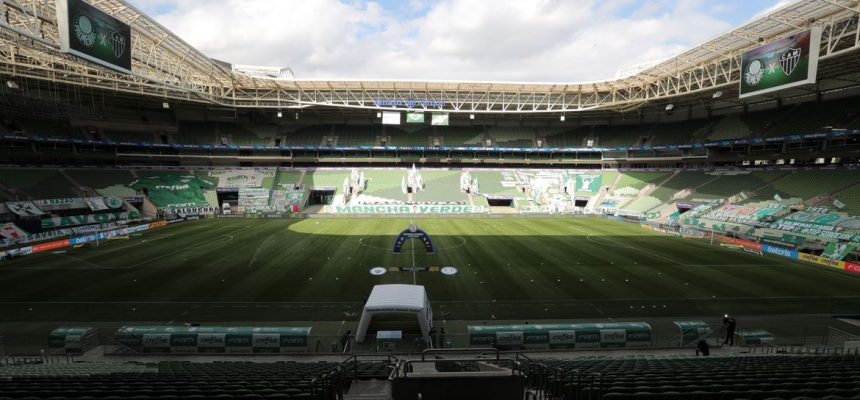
(92,34)
(787,62)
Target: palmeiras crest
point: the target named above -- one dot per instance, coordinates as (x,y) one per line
(117,42)
(788,60)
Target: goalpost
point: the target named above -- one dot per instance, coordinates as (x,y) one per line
(101,234)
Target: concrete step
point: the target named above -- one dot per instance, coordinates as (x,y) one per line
(374,389)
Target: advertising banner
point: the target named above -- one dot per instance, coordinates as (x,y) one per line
(253,197)
(59,222)
(740,242)
(779,251)
(182,339)
(406,209)
(209,210)
(833,226)
(51,246)
(743,214)
(583,335)
(65,203)
(827,262)
(239,178)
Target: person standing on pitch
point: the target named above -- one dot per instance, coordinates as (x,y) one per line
(730,331)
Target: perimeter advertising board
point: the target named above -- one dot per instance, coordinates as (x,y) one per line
(584,335)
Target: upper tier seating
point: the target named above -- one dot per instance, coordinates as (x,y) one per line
(385,184)
(730,183)
(806,184)
(34,184)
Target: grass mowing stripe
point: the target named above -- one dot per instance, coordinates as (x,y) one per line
(517,262)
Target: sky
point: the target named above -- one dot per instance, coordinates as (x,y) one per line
(459,40)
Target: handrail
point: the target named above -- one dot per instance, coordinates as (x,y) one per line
(408,363)
(461,351)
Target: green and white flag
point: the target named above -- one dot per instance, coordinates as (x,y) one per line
(837,251)
(588,183)
(173,191)
(96,203)
(838,204)
(415,118)
(439,119)
(24,208)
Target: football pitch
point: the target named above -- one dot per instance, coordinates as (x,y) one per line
(319,270)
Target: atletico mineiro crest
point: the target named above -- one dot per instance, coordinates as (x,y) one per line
(117,42)
(788,60)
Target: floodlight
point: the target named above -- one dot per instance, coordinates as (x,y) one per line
(562,118)
(471,116)
(717,94)
(12,85)
(378,114)
(280,114)
(165,105)
(670,107)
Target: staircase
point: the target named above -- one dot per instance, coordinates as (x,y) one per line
(376,389)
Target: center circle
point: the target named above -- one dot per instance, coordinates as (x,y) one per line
(367,241)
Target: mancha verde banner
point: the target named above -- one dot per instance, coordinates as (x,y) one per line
(406,209)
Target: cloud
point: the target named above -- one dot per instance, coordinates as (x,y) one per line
(535,40)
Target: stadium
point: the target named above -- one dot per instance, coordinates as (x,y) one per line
(174,226)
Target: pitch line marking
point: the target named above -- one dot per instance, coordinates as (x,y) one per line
(260,247)
(461,244)
(589,237)
(205,245)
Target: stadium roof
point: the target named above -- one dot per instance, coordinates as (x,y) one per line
(167,67)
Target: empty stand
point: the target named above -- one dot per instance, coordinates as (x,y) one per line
(723,377)
(806,184)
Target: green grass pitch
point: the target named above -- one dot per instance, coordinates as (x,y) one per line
(318,269)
